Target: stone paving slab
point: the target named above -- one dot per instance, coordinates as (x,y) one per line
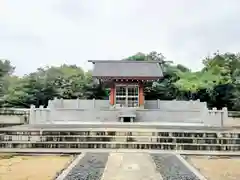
(130,166)
(79,150)
(118,126)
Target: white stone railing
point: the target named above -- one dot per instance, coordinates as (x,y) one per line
(207,117)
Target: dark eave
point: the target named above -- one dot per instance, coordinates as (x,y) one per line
(121,61)
(126,78)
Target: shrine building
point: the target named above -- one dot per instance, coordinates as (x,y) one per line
(126,79)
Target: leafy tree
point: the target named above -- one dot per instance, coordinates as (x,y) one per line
(30,90)
(137,57)
(6,69)
(225,63)
(236,99)
(218,82)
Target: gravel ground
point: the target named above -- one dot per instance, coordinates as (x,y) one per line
(171,168)
(90,167)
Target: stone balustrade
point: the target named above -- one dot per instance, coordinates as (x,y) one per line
(97,111)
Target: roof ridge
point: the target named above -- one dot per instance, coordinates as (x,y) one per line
(122,61)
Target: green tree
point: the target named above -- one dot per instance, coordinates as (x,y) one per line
(30,90)
(137,57)
(226,67)
(236,92)
(218,82)
(66,81)
(6,70)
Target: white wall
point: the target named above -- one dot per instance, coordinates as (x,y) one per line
(11,119)
(98,111)
(78,103)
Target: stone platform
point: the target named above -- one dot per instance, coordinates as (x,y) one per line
(177,127)
(184,137)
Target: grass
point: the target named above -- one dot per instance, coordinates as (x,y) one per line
(217,168)
(30,167)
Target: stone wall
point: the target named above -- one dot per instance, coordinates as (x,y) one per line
(13,116)
(39,115)
(79,103)
(149,104)
(12,119)
(175,105)
(99,111)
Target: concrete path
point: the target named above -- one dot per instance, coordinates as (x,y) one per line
(130,166)
(79,150)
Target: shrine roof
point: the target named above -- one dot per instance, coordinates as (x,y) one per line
(127,69)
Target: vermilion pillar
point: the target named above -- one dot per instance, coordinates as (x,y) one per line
(141,95)
(112,94)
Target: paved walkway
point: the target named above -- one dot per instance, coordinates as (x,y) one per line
(67,151)
(130,166)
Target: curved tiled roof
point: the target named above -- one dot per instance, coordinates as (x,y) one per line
(124,68)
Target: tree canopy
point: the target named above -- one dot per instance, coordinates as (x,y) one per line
(218,83)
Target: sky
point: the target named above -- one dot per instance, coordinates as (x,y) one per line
(38,33)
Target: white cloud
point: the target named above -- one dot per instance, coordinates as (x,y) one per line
(38,33)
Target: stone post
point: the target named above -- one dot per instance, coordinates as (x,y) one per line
(205,105)
(121,119)
(214,120)
(158,104)
(50,102)
(42,115)
(56,102)
(94,103)
(51,109)
(131,119)
(78,103)
(205,116)
(32,115)
(214,109)
(224,116)
(61,103)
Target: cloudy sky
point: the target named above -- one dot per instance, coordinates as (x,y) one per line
(36,33)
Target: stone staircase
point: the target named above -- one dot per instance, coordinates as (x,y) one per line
(127,114)
(123,137)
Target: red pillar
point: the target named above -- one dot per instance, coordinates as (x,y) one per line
(112,94)
(141,95)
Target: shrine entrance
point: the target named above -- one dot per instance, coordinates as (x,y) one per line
(127,119)
(127,95)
